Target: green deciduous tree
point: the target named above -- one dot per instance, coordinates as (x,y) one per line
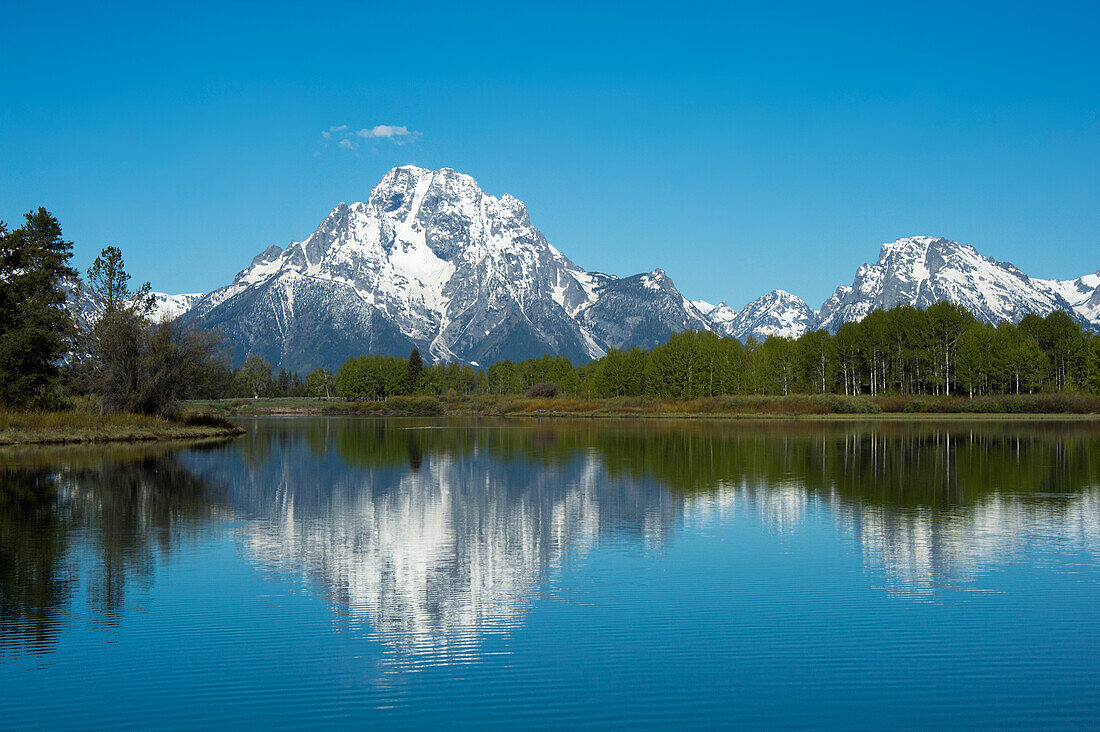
(255,375)
(320,383)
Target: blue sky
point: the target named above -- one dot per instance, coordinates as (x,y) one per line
(740,148)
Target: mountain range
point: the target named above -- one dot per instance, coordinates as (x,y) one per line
(431,261)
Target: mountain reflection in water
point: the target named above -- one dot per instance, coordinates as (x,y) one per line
(430,540)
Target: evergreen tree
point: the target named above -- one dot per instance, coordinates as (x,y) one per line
(35,326)
(109,282)
(416,366)
(117,343)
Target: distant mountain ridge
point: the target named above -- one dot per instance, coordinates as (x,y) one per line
(779,313)
(921,270)
(431,261)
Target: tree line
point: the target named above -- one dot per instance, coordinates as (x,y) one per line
(941,350)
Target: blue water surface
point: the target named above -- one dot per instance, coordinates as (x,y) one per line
(359,572)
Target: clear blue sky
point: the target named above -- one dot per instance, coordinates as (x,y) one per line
(740,148)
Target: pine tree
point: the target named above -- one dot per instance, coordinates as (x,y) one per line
(35,326)
(416,366)
(109,282)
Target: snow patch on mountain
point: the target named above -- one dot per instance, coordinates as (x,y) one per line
(1082,294)
(168,307)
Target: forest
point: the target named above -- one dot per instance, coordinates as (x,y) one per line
(905,351)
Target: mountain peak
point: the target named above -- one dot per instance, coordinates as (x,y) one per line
(777,313)
(432,261)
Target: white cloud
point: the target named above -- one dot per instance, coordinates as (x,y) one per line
(388,132)
(334,130)
(346,138)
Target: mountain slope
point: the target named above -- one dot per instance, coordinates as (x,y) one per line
(431,261)
(167,306)
(1082,294)
(643,310)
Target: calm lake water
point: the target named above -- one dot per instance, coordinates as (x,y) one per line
(417,573)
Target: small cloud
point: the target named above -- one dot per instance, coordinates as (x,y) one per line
(344,137)
(388,132)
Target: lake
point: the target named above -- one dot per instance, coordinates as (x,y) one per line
(346,572)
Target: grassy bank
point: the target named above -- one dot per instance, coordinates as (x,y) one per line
(84,426)
(817,405)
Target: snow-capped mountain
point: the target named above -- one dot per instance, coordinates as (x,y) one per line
(431,261)
(779,313)
(1083,295)
(922,270)
(167,306)
(87,309)
(643,310)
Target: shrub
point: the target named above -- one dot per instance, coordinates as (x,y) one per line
(205,419)
(917,405)
(893,404)
(642,404)
(543,390)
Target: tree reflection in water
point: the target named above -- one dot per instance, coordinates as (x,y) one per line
(97,519)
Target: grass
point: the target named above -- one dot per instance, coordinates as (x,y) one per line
(732,406)
(66,426)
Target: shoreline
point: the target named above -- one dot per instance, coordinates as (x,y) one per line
(18,429)
(210,420)
(776,409)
